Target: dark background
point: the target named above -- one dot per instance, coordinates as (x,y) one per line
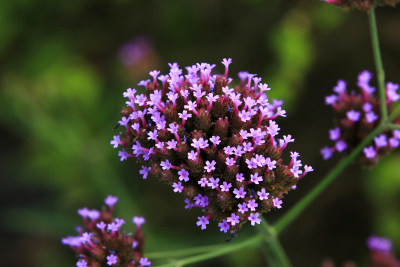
(61,84)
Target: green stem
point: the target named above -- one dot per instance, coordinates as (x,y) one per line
(393,126)
(183,252)
(277,254)
(378,63)
(295,211)
(395,113)
(253,241)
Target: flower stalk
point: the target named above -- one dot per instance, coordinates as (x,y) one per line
(378,62)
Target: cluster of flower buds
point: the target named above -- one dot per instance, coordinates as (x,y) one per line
(101,243)
(213,142)
(364,5)
(381,252)
(356,115)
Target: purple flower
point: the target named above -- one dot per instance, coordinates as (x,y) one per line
(277,202)
(138,220)
(113,227)
(184,115)
(94,214)
(270,164)
(136,51)
(326,152)
(243,207)
(234,219)
(341,146)
(367,107)
(183,175)
(334,134)
(202,222)
(331,99)
(81,263)
(116,141)
(369,152)
(84,212)
(165,165)
(119,221)
(101,225)
(230,162)
(172,144)
(252,205)
(253,218)
(340,88)
(124,121)
(73,241)
(145,171)
(112,259)
(192,155)
(141,100)
(189,204)
(111,200)
(178,187)
(239,193)
(129,93)
(173,128)
(225,186)
(394,142)
(371,117)
(224,226)
(391,91)
(203,182)
(273,128)
(239,177)
(262,194)
(123,155)
(380,244)
(213,183)
(210,166)
(255,178)
(353,115)
(144,262)
(381,141)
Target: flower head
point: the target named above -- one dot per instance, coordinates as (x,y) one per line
(100,242)
(356,115)
(381,252)
(213,141)
(364,5)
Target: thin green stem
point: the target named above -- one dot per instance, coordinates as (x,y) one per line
(183,252)
(378,63)
(253,241)
(393,126)
(395,113)
(277,254)
(295,211)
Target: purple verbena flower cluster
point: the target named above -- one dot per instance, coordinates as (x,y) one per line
(364,5)
(356,115)
(213,142)
(101,243)
(381,252)
(379,243)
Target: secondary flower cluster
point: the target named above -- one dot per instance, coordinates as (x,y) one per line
(101,243)
(364,5)
(381,252)
(213,142)
(356,115)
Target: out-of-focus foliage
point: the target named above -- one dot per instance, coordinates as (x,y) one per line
(61,85)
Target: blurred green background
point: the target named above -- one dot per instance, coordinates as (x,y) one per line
(65,64)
